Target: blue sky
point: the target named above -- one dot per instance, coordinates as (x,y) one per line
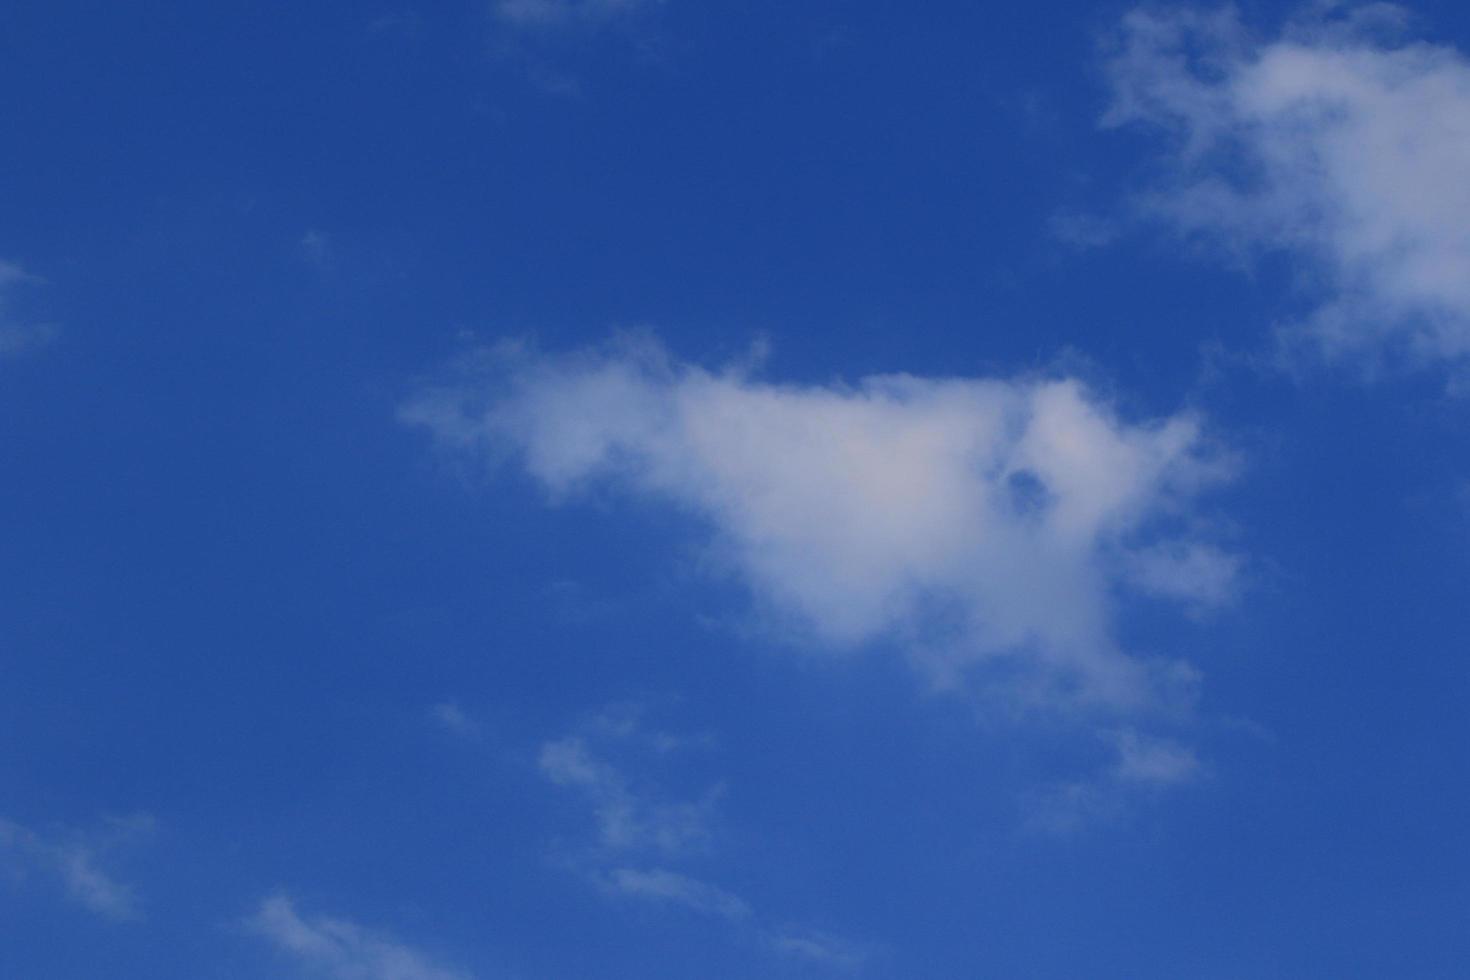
(621,488)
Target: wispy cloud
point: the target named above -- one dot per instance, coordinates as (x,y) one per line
(548,14)
(642,838)
(546,40)
(18,337)
(315,248)
(406,22)
(819,948)
(340,949)
(1337,140)
(984,524)
(73,861)
(455,720)
(1082,231)
(627,820)
(663,885)
(1152,761)
(1142,764)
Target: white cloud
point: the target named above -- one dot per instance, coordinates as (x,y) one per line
(93,887)
(11,273)
(623,721)
(634,827)
(1151,760)
(340,949)
(1188,570)
(1082,231)
(72,862)
(1335,141)
(819,948)
(663,885)
(541,14)
(1142,763)
(455,720)
(17,337)
(984,523)
(541,38)
(315,248)
(626,820)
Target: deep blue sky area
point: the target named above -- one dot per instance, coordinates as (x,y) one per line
(289,687)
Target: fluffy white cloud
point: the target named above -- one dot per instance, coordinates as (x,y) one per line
(72,862)
(986,523)
(340,949)
(1336,141)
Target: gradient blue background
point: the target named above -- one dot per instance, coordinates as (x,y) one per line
(232,584)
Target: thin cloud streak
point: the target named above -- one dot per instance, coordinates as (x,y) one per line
(73,863)
(341,949)
(626,820)
(641,840)
(663,885)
